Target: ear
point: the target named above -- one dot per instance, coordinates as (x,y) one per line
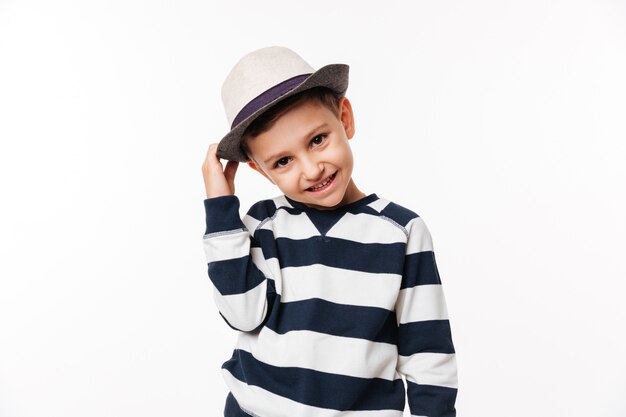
(255,167)
(347,116)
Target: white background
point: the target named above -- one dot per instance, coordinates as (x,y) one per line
(501,123)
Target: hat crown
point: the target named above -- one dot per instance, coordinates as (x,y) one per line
(257,72)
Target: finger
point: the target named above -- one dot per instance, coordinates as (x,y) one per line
(209,153)
(211,157)
(230,171)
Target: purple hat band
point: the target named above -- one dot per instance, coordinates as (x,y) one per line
(268,96)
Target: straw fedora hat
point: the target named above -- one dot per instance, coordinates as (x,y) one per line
(263,78)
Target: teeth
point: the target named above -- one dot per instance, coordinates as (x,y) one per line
(322,184)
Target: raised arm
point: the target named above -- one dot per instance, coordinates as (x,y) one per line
(240,288)
(426,352)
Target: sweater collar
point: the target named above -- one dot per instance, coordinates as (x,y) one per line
(345,208)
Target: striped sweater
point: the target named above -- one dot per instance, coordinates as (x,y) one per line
(332,309)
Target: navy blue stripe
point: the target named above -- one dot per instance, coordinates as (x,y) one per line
(263,209)
(425,336)
(316,388)
(264,238)
(254,243)
(358,206)
(420,269)
(235,276)
(431,400)
(399,214)
(373,257)
(231,407)
(371,323)
(222,213)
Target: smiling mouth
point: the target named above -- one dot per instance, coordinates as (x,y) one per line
(326,183)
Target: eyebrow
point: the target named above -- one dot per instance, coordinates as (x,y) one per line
(304,138)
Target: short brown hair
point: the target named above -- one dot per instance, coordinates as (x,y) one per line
(323,95)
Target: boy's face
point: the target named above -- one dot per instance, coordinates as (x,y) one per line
(303,148)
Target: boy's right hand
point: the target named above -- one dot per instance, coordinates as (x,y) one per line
(218,181)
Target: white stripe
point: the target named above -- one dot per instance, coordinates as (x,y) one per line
(244,311)
(366,228)
(430,368)
(292,226)
(340,285)
(267,404)
(226,246)
(361,228)
(380,204)
(269,267)
(322,352)
(421,302)
(419,237)
(251,223)
(281,201)
(274,267)
(261,263)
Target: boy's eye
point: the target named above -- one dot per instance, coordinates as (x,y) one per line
(286,158)
(318,136)
(278,162)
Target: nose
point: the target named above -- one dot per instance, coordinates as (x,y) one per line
(312,170)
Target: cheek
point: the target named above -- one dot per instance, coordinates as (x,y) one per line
(292,181)
(342,153)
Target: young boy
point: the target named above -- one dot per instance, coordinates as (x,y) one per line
(334,292)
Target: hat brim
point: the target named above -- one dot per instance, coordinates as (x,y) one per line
(333,76)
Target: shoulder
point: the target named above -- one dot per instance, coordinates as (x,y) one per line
(268,207)
(263,211)
(412,223)
(400,214)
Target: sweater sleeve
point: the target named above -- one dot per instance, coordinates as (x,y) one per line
(240,288)
(426,355)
